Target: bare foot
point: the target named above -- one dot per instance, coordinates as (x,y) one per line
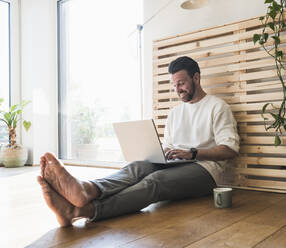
(61,207)
(77,192)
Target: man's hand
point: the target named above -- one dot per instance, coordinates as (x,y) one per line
(178,154)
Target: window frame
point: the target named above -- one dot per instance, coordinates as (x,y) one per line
(9,47)
(14,54)
(14,51)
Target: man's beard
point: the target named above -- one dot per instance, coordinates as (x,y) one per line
(190,96)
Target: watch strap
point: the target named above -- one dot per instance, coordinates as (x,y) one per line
(194,152)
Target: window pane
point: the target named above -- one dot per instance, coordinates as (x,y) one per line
(99,75)
(4,64)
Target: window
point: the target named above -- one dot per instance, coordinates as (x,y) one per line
(98,76)
(4,63)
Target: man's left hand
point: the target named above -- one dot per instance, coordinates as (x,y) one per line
(178,154)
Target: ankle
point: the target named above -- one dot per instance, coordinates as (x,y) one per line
(87,211)
(92,190)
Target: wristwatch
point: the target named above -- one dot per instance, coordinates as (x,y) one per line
(194,152)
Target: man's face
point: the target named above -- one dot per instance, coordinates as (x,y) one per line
(183,85)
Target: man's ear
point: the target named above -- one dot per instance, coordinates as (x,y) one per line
(197,77)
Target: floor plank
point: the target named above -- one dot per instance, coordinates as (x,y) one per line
(276,240)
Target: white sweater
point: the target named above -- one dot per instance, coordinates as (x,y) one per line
(202,125)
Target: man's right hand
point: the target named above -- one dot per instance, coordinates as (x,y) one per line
(166,152)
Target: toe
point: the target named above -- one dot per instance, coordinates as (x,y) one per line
(42,171)
(43,165)
(42,181)
(50,157)
(45,186)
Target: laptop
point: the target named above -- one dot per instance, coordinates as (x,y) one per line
(139,140)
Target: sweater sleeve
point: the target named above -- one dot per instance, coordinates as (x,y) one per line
(167,141)
(225,128)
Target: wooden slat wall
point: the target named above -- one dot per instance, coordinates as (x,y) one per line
(241,73)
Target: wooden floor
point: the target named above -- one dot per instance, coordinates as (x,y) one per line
(257,219)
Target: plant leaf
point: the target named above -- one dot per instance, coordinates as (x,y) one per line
(7,117)
(271,25)
(256,37)
(261,18)
(265,37)
(276,6)
(264,107)
(274,116)
(279,54)
(27,125)
(268,1)
(273,13)
(24,103)
(276,39)
(12,108)
(277,140)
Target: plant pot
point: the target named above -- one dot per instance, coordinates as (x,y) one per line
(87,151)
(13,156)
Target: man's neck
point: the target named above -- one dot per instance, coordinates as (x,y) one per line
(198,96)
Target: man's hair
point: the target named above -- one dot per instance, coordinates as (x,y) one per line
(184,63)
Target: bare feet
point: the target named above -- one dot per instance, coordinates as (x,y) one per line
(61,207)
(77,192)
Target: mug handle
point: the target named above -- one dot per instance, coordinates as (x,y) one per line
(218,199)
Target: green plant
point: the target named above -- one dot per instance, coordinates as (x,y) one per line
(273,25)
(84,127)
(12,118)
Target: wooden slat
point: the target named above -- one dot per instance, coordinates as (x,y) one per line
(262,172)
(230,88)
(261,140)
(263,161)
(226,39)
(251,106)
(159,105)
(208,32)
(266,184)
(216,51)
(263,149)
(215,62)
(252,129)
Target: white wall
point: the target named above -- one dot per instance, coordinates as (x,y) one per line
(174,20)
(39,75)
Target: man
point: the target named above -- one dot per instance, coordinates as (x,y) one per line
(201,128)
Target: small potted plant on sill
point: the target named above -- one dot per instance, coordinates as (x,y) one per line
(13,154)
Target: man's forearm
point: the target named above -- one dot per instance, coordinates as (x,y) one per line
(217,153)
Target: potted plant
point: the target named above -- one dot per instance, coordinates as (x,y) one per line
(13,154)
(84,129)
(274,24)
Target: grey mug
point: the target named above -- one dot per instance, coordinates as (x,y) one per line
(222,197)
